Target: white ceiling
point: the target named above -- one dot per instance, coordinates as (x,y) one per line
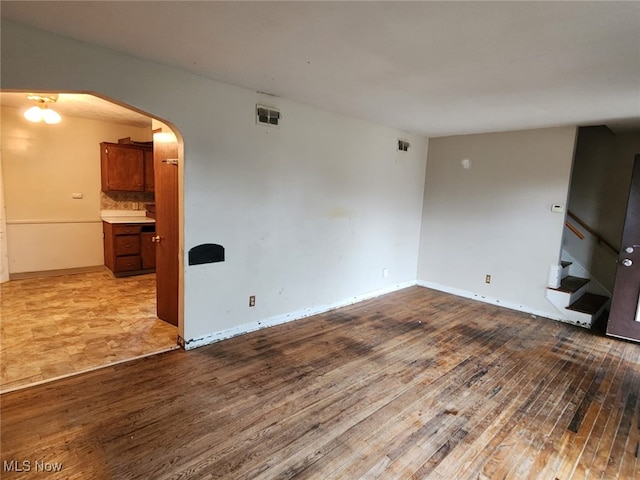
(435,68)
(83,106)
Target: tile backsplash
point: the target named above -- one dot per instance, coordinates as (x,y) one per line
(125,200)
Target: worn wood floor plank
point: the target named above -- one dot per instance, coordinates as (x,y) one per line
(379,385)
(428,453)
(414,384)
(584,443)
(542,467)
(628,404)
(373,448)
(501,396)
(498,437)
(555,406)
(529,440)
(348,437)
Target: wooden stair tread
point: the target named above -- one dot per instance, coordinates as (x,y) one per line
(589,303)
(571,284)
(565,264)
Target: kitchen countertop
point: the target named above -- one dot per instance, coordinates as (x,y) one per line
(128,219)
(125,216)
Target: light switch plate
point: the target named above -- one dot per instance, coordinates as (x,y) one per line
(558,208)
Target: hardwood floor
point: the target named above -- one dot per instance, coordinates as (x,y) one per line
(57,326)
(415,384)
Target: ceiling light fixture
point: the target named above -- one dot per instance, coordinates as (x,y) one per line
(41,111)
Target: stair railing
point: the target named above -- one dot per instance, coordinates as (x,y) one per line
(580,235)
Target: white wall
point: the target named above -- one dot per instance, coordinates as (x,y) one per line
(495,217)
(42,166)
(309,213)
(4,256)
(599,192)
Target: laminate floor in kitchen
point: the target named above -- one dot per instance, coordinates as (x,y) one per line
(59,326)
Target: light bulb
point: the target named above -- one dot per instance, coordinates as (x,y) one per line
(164,137)
(50,116)
(34,114)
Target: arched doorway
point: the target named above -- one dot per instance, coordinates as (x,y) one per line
(32,148)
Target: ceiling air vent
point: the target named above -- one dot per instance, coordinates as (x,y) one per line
(403,145)
(267,115)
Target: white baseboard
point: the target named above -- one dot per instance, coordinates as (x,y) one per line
(493,301)
(288,317)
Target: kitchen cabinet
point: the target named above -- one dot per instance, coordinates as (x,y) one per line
(148,250)
(149,183)
(129,248)
(126,167)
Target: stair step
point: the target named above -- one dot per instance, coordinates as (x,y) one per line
(571,284)
(589,303)
(564,266)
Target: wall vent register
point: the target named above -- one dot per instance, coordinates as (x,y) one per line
(403,145)
(267,115)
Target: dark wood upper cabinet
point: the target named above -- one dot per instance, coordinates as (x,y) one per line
(149,183)
(126,168)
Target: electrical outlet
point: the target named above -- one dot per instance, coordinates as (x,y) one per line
(487,279)
(385,272)
(252,301)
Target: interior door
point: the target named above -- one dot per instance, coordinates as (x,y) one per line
(624,319)
(165,154)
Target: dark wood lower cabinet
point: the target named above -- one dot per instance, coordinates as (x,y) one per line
(148,250)
(128,248)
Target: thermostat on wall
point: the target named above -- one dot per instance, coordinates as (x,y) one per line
(558,208)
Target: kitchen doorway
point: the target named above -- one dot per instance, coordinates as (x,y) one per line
(111,319)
